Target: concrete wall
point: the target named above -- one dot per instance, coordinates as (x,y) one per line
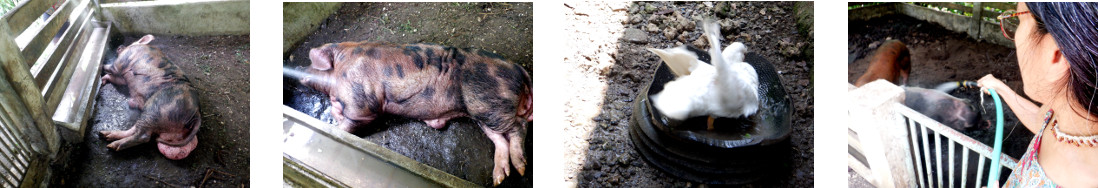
(206,17)
(301,19)
(870,12)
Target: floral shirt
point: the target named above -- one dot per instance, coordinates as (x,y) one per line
(1028,173)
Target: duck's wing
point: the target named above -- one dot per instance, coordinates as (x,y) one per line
(679,59)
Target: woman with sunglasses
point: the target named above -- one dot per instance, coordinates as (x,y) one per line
(1057,47)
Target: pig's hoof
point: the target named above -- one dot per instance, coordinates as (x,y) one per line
(502,169)
(113,146)
(498,174)
(519,161)
(177,152)
(108,135)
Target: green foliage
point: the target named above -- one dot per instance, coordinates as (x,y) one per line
(7,5)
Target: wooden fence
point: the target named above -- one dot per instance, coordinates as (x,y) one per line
(976,19)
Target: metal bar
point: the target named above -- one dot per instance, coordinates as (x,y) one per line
(8,136)
(914,146)
(853,142)
(9,151)
(25,13)
(926,153)
(951,164)
(14,146)
(979,172)
(965,141)
(861,169)
(12,135)
(964,168)
(938,155)
(9,180)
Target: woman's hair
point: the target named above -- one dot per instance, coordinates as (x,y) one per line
(1074,26)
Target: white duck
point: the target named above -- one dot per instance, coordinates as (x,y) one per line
(727,88)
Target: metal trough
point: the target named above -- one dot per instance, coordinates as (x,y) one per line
(318,154)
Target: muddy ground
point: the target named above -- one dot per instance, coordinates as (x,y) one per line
(939,55)
(461,149)
(606,64)
(218,68)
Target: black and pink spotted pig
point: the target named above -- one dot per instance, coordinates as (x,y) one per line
(168,102)
(431,83)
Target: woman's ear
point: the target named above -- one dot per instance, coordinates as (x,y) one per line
(1059,68)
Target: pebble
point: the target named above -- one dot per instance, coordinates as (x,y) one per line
(635,35)
(670,33)
(702,42)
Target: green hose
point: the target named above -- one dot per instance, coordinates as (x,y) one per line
(997,149)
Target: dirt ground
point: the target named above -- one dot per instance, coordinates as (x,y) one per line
(218,67)
(939,55)
(606,64)
(461,149)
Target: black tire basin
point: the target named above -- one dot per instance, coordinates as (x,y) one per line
(737,151)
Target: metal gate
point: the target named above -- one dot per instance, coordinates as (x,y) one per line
(892,145)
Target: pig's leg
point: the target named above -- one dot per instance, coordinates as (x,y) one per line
(502,168)
(139,135)
(517,158)
(118,134)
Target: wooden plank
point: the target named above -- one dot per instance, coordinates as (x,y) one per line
(43,70)
(26,13)
(42,37)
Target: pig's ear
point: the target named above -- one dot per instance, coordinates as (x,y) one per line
(145,40)
(321,58)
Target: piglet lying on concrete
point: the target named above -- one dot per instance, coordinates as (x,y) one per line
(168,102)
(430,83)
